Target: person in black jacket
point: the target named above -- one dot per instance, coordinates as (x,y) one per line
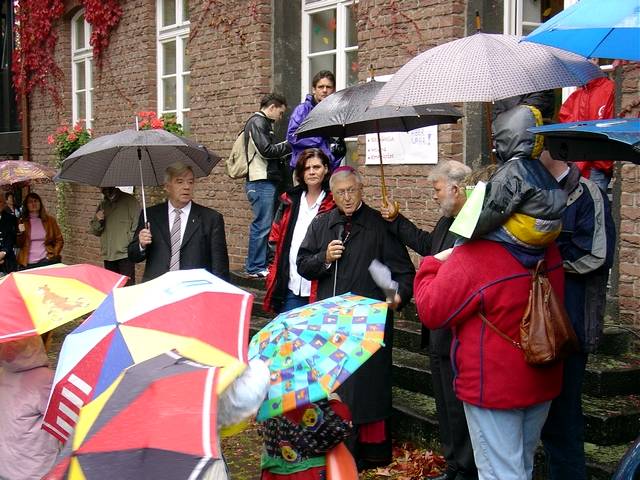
(448,179)
(8,232)
(337,250)
(179,233)
(262,179)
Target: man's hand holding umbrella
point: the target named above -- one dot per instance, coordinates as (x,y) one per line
(144,237)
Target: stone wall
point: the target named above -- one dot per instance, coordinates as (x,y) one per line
(629,209)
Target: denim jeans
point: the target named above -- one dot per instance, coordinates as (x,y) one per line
(563,433)
(292,301)
(504,441)
(261,195)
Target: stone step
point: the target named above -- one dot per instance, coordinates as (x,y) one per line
(609,375)
(411,371)
(611,420)
(608,421)
(414,419)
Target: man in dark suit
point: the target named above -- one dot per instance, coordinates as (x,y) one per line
(180,234)
(8,231)
(449,194)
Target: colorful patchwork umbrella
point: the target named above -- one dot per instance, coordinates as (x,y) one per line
(41,299)
(157,420)
(192,311)
(313,349)
(19,172)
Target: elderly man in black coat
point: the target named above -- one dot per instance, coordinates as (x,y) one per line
(447,179)
(337,251)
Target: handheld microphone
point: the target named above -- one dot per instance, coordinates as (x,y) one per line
(340,231)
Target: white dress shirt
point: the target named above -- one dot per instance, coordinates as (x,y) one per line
(184,216)
(298,285)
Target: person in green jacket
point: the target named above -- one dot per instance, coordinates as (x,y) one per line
(115,222)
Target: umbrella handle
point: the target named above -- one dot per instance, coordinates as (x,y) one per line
(383,184)
(144,202)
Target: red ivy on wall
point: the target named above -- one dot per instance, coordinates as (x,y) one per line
(33,60)
(103,15)
(33,63)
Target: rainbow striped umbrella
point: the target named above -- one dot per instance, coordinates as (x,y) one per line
(313,349)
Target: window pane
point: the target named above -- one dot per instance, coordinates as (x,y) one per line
(169,57)
(81,105)
(186,90)
(79,33)
(185,10)
(168,12)
(352,31)
(169,93)
(186,65)
(323,31)
(80,80)
(322,62)
(351,68)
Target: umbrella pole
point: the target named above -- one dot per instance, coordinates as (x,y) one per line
(144,203)
(385,200)
(487,113)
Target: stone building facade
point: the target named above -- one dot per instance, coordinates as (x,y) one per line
(232,52)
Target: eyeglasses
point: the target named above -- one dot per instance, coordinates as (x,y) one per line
(349,191)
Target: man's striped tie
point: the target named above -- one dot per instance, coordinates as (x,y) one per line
(174,264)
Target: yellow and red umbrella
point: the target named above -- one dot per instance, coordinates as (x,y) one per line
(38,300)
(19,172)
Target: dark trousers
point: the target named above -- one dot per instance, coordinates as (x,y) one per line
(124,266)
(563,433)
(454,434)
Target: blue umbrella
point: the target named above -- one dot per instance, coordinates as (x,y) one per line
(614,139)
(593,28)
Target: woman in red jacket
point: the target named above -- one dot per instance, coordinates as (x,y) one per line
(286,289)
(506,400)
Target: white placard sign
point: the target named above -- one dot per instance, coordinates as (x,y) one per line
(414,147)
(417,146)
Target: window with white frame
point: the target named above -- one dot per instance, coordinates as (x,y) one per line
(521,17)
(173,62)
(329,41)
(81,70)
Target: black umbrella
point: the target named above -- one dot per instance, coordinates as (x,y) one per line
(612,139)
(346,113)
(133,157)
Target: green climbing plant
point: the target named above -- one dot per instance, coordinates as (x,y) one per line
(65,141)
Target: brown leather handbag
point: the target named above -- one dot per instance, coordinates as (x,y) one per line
(546,334)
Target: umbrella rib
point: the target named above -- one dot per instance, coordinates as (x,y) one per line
(600,42)
(153,168)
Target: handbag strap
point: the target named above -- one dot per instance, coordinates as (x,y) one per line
(499,332)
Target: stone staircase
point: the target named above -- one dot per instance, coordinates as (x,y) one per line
(611,399)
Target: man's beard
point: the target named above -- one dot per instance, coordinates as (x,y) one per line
(447,206)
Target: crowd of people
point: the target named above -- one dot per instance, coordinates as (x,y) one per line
(319,238)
